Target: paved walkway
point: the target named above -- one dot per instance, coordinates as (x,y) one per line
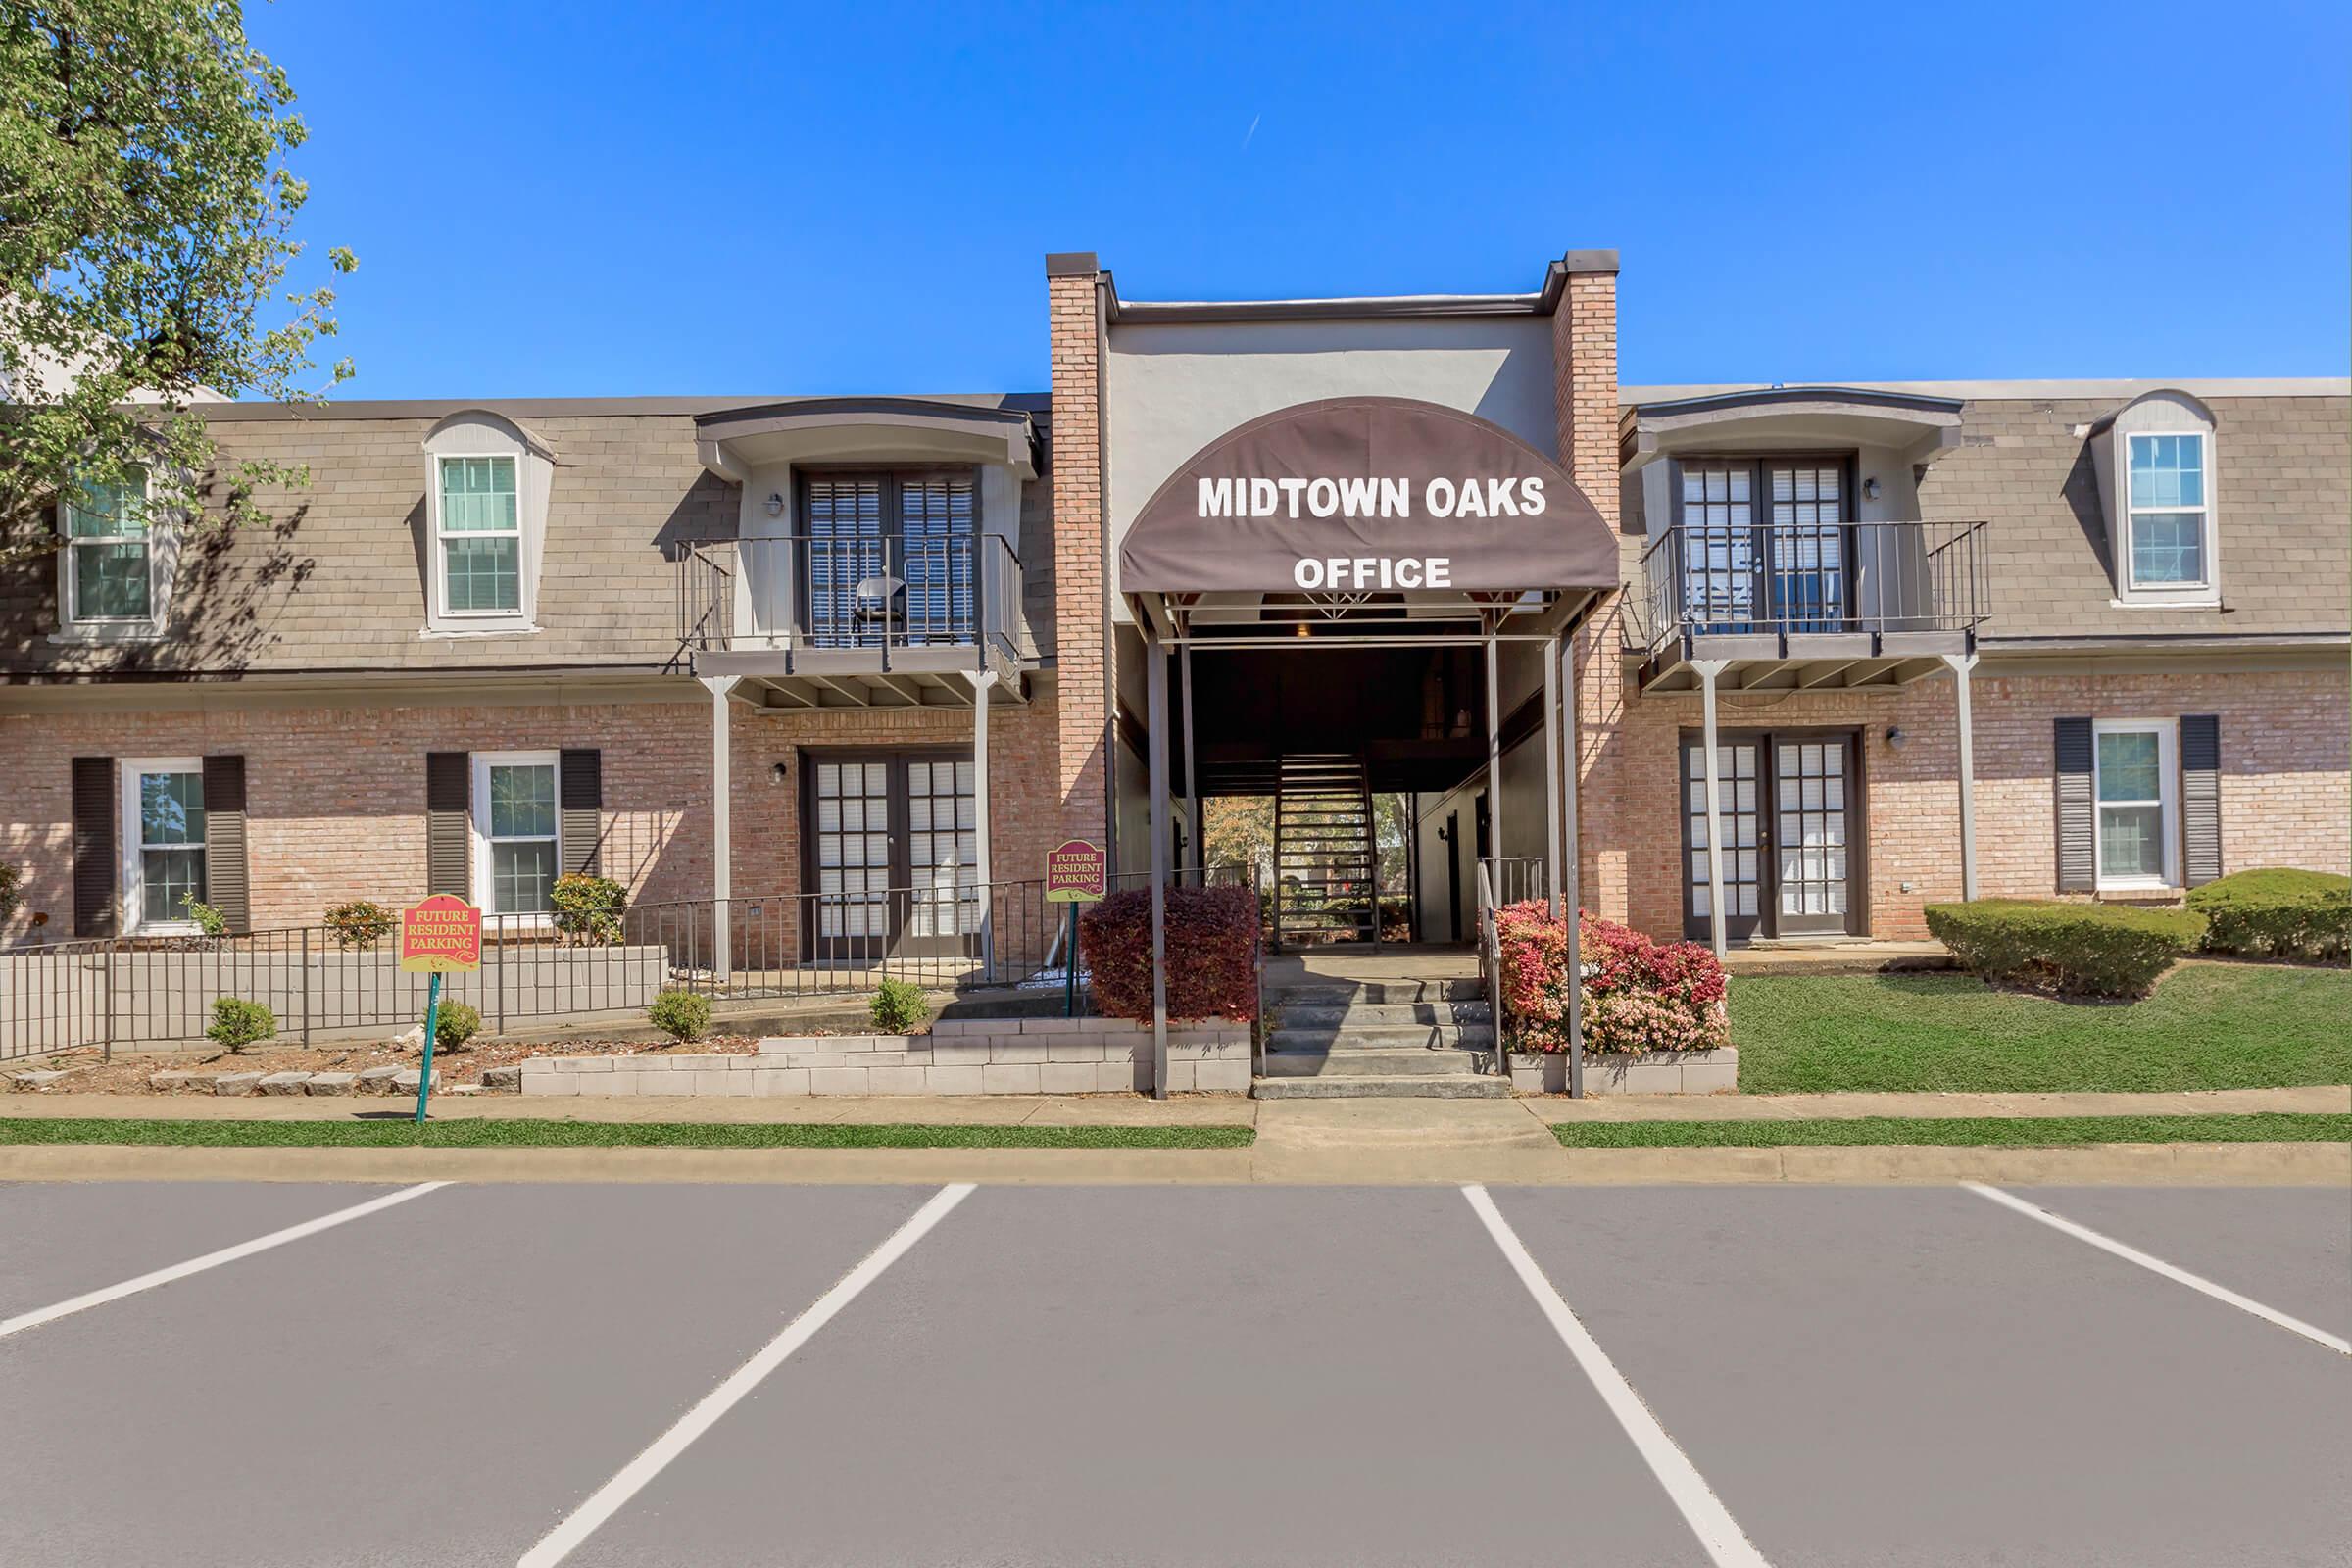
(1299,1142)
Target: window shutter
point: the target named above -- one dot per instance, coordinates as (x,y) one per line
(2200,798)
(2078,817)
(94,868)
(227,886)
(581,783)
(448,790)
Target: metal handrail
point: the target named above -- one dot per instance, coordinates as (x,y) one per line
(1490,964)
(1874,577)
(879,591)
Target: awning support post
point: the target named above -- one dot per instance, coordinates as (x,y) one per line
(1155,687)
(1708,669)
(1571,883)
(982,682)
(1552,732)
(1194,853)
(1494,620)
(1962,664)
(722,827)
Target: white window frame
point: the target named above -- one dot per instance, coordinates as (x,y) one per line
(133,851)
(522,566)
(2199,590)
(2168,797)
(161,541)
(485,879)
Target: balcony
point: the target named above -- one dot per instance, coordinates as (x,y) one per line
(860,621)
(1859,605)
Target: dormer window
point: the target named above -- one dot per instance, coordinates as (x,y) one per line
(2155,461)
(481,537)
(488,481)
(109,576)
(2168,513)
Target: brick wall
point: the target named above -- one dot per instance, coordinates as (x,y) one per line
(336,795)
(2286,796)
(1584,357)
(1082,637)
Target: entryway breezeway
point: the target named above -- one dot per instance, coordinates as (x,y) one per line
(1381,539)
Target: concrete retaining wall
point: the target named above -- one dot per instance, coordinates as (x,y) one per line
(1656,1072)
(958,1057)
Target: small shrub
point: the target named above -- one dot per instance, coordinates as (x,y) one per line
(897,1006)
(360,924)
(680,1013)
(238,1023)
(2278,914)
(1640,995)
(12,889)
(209,920)
(1212,954)
(454,1023)
(2092,949)
(588,907)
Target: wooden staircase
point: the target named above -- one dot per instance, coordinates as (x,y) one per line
(1326,852)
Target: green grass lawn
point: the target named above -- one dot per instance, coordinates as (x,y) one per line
(487,1133)
(2207,1026)
(2034,1132)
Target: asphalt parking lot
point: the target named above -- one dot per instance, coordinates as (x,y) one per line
(516,1374)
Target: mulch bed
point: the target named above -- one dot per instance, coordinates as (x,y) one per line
(128,1073)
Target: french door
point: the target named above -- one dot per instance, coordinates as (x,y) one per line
(1764,543)
(892,559)
(892,855)
(1792,850)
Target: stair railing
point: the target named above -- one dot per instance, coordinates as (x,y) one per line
(1490,961)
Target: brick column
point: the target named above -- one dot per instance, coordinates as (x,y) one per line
(1583,358)
(1081,628)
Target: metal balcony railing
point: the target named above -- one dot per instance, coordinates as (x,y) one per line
(1871,577)
(801,592)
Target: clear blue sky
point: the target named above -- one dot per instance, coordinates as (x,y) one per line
(605,198)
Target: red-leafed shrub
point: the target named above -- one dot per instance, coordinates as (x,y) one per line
(1212,954)
(1640,995)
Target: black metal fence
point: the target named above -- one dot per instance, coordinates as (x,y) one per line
(775,946)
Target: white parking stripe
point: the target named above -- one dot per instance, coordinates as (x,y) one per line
(2157,1265)
(1727,1545)
(562,1540)
(227,1255)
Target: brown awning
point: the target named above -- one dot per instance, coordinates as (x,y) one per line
(1367,494)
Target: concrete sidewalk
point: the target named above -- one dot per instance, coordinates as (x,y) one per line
(1347,1142)
(1438,1120)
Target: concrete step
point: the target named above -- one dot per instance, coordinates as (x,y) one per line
(1380,1036)
(1325,1016)
(1342,993)
(1388,1063)
(1484,1086)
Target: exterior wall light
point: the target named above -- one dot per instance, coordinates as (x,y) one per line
(775,504)
(1869,488)
(1896,740)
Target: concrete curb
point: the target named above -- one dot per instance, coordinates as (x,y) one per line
(2109,1164)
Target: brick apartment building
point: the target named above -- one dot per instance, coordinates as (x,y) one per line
(832,663)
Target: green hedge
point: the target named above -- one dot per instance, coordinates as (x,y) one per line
(2273,912)
(2096,949)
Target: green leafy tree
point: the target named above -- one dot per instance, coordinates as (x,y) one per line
(146,216)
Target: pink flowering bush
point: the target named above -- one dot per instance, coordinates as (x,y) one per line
(1640,995)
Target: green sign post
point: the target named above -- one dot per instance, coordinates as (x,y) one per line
(442,935)
(1076,872)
